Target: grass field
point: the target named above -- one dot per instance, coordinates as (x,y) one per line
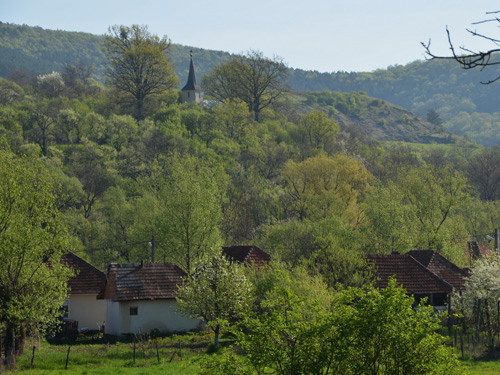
(175,355)
(481,367)
(170,355)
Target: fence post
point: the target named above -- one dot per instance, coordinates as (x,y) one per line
(67,358)
(33,356)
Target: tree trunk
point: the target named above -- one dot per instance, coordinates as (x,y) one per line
(216,338)
(10,348)
(478,318)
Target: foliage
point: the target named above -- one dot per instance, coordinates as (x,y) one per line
(320,186)
(320,129)
(484,174)
(391,221)
(253,78)
(138,64)
(361,332)
(32,240)
(465,106)
(217,291)
(479,303)
(50,85)
(190,197)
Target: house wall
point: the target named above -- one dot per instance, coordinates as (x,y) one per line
(87,310)
(156,314)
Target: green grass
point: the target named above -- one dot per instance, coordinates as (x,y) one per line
(117,357)
(102,358)
(472,367)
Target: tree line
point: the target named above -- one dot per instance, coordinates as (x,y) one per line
(120,173)
(466,107)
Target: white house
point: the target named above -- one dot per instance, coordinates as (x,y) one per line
(140,297)
(82,304)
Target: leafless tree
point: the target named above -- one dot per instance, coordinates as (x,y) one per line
(469,58)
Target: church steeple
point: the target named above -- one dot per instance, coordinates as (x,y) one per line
(192,91)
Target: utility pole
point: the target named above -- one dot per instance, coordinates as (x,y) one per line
(152,245)
(496,241)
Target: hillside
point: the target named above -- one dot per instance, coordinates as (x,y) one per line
(36,50)
(467,107)
(364,115)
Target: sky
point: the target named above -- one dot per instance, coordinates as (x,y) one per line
(321,35)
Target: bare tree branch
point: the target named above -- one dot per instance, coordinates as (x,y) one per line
(468,58)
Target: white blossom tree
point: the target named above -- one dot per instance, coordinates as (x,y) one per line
(217,292)
(481,300)
(50,85)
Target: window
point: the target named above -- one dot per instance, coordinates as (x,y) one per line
(134,311)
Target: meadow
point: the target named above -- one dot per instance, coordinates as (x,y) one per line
(176,354)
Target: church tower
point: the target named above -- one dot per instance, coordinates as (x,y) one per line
(192,91)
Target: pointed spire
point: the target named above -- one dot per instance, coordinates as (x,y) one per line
(191,82)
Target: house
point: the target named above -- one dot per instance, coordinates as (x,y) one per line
(140,298)
(192,91)
(247,254)
(82,305)
(423,273)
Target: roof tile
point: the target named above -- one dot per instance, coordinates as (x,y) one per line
(143,281)
(87,279)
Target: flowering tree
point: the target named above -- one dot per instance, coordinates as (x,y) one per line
(50,85)
(217,292)
(481,300)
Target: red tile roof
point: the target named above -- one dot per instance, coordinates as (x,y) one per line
(411,274)
(247,255)
(442,267)
(143,281)
(88,279)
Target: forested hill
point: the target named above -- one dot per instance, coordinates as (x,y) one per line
(466,106)
(36,50)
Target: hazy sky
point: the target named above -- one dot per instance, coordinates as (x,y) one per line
(323,35)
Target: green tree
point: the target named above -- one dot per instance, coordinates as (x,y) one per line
(390,221)
(362,331)
(290,336)
(234,116)
(483,172)
(253,78)
(187,195)
(433,117)
(389,336)
(217,292)
(32,240)
(435,195)
(320,130)
(91,165)
(320,186)
(138,65)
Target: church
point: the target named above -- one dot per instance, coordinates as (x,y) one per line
(192,91)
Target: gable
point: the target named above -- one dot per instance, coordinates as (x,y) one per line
(442,267)
(87,280)
(247,255)
(408,272)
